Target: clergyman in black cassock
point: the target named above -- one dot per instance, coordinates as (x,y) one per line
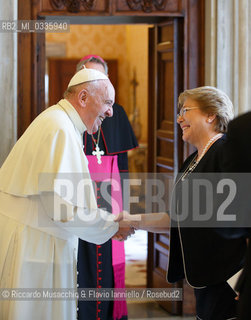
(116,138)
(237,159)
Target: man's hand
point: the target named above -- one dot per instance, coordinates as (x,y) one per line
(125,231)
(127,225)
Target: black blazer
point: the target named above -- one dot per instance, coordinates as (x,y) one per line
(237,158)
(238,145)
(202,255)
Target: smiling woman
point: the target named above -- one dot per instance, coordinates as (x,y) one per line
(184,110)
(203,113)
(210,100)
(200,254)
(196,253)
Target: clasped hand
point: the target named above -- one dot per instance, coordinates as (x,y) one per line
(127,225)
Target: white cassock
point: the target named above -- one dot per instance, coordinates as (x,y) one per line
(38,244)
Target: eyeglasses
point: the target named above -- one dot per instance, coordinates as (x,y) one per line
(184,110)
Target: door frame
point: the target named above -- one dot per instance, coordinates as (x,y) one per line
(31,48)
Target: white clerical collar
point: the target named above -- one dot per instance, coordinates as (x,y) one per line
(73,114)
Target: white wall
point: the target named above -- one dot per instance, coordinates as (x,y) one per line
(228,49)
(8,88)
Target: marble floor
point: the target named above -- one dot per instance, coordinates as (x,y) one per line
(136,255)
(150,310)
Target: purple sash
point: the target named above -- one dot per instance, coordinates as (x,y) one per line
(108,171)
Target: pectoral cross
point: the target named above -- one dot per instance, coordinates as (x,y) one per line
(98,153)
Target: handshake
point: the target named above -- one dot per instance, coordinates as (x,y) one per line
(151,222)
(128,223)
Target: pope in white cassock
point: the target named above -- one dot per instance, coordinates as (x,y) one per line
(41,214)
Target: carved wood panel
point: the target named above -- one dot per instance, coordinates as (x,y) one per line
(83,7)
(148,6)
(113,7)
(72,5)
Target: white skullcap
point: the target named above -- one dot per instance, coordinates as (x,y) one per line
(85,75)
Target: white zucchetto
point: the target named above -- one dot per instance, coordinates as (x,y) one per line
(86,75)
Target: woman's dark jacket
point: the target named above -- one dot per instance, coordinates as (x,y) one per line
(201,254)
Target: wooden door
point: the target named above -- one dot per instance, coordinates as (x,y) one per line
(165,146)
(61,70)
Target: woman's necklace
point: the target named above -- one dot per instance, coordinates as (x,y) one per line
(193,164)
(97,152)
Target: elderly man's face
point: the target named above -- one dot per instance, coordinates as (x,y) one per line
(99,106)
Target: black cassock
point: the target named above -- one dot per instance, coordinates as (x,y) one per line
(237,159)
(116,138)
